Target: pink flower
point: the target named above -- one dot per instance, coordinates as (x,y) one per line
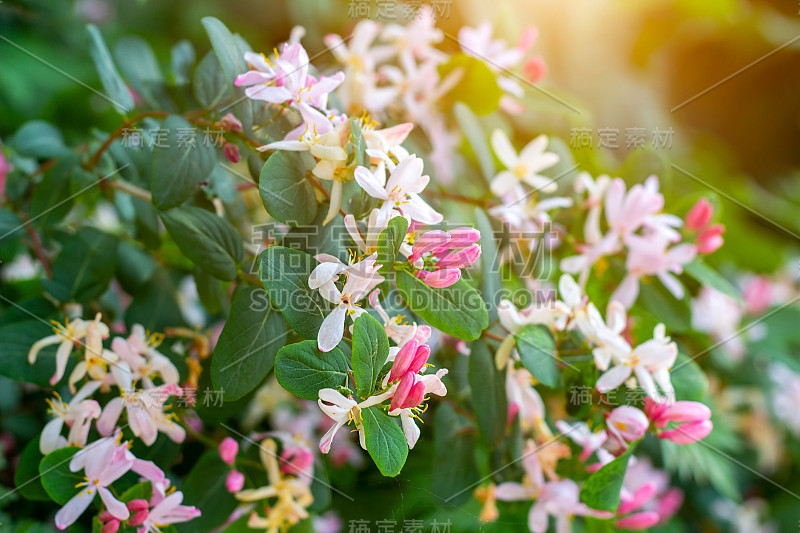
(439,279)
(102,466)
(228,449)
(699,215)
(693,418)
(757,295)
(627,424)
(446,254)
(296,460)
(639,521)
(167,510)
(234,481)
(411,358)
(710,239)
(287,80)
(409,392)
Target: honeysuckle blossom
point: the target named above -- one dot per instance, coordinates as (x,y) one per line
(590,442)
(626,424)
(165,510)
(416,39)
(409,409)
(286,79)
(362,277)
(102,464)
(442,255)
(343,410)
(693,419)
(401,192)
(88,333)
(228,449)
(785,395)
(525,400)
(292,495)
(146,413)
(139,352)
(77,415)
(523,167)
(595,192)
(360,57)
(649,363)
(551,498)
(549,313)
(650,256)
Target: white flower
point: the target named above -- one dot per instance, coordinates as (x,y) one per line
(77,415)
(362,277)
(401,192)
(343,410)
(523,167)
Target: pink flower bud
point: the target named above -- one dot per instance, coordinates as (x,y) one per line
(420,358)
(230,123)
(112,526)
(231,152)
(228,449)
(757,295)
(439,279)
(415,396)
(655,411)
(403,360)
(461,258)
(459,238)
(534,69)
(627,423)
(138,505)
(235,481)
(687,412)
(427,242)
(513,409)
(639,521)
(641,496)
(402,391)
(105,516)
(699,215)
(296,460)
(688,433)
(138,518)
(710,239)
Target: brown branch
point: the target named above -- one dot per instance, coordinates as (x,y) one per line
(38,249)
(116,133)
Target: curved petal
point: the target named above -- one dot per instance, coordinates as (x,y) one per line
(74,508)
(116,508)
(503,149)
(613,378)
(332,329)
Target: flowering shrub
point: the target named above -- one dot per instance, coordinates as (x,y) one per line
(541,320)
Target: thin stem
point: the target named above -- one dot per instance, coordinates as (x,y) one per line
(119,131)
(39,250)
(133,190)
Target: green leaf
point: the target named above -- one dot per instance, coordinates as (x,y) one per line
(211,292)
(26,476)
(84,267)
(688,378)
(208,82)
(246,349)
(135,267)
(57,479)
(303,370)
(116,91)
(285,273)
(181,161)
(209,241)
(457,310)
(155,304)
(707,276)
(182,60)
(52,199)
(140,491)
(488,389)
(38,139)
(490,265)
(385,441)
(537,350)
(140,67)
(286,193)
(657,301)
(454,465)
(389,242)
(231,58)
(601,490)
(370,350)
(477,87)
(473,131)
(357,145)
(204,488)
